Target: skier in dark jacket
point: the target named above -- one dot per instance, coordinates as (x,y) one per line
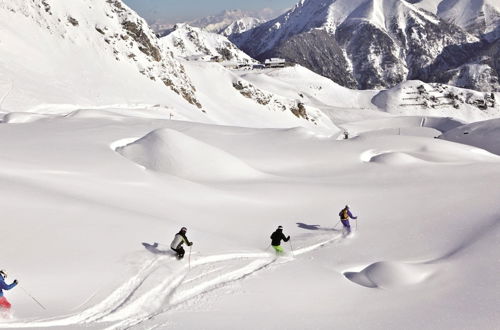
(179,239)
(345,215)
(4,303)
(276,238)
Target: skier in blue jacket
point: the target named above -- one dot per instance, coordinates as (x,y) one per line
(345,215)
(4,303)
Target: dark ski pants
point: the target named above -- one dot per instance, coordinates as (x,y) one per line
(346,224)
(180,252)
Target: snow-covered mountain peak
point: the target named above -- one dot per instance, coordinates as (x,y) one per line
(227,19)
(241,25)
(187,42)
(357,43)
(384,13)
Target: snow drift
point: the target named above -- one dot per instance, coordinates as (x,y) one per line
(388,275)
(172,152)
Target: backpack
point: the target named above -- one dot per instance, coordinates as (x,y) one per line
(344,215)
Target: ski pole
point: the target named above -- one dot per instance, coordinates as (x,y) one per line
(34,299)
(291,247)
(189,259)
(336,224)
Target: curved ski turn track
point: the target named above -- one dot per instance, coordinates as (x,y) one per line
(163,283)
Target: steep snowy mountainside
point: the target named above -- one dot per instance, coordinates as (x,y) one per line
(363,44)
(302,17)
(472,66)
(66,56)
(187,41)
(89,52)
(479,17)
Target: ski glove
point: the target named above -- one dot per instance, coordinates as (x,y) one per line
(15,282)
(190,243)
(288,238)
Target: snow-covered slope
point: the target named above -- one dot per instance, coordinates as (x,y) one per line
(85,194)
(79,222)
(187,42)
(97,52)
(438,100)
(411,98)
(362,43)
(236,100)
(484,134)
(479,17)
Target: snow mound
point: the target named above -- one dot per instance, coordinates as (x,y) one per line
(448,153)
(485,135)
(388,275)
(172,152)
(396,158)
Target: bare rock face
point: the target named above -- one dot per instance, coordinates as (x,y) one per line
(163,66)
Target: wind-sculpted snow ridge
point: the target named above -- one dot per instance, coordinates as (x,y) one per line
(175,153)
(164,283)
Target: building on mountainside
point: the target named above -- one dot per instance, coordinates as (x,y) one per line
(275,63)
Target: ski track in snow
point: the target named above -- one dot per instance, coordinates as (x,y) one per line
(131,304)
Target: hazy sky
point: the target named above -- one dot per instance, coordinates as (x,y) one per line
(174,11)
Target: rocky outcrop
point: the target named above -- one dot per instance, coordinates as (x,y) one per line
(272,101)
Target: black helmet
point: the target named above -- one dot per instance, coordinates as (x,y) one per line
(183,229)
(3,273)
(280,227)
